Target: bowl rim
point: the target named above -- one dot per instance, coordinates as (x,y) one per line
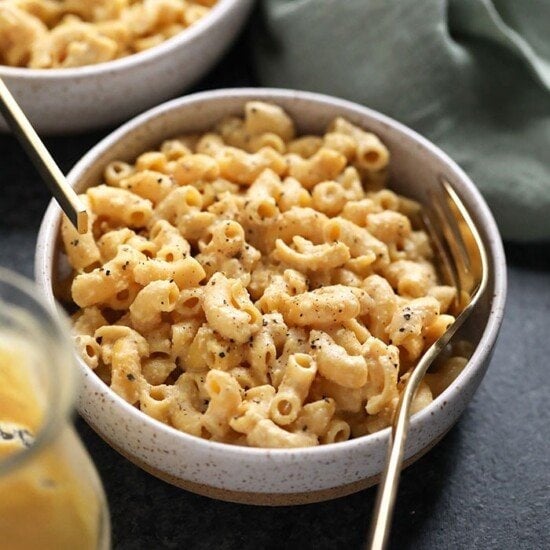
(181,39)
(493,243)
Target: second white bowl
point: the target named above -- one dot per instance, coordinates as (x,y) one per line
(67,101)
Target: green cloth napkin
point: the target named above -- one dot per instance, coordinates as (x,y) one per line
(471,75)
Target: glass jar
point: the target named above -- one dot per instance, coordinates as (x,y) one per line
(51,496)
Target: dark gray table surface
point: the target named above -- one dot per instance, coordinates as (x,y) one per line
(486,485)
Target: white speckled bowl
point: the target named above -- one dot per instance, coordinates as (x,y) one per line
(262,476)
(67,101)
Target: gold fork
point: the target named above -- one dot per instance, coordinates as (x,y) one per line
(464,264)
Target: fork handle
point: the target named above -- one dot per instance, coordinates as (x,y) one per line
(387,490)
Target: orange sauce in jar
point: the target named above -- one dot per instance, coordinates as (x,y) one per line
(47,497)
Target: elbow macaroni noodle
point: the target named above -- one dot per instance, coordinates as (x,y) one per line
(44,34)
(247,285)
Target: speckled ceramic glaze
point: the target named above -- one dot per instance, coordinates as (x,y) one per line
(279,476)
(65,101)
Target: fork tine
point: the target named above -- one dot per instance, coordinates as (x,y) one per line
(473,246)
(450,210)
(448,267)
(442,250)
(452,224)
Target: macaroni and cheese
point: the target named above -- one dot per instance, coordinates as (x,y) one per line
(255,287)
(43,34)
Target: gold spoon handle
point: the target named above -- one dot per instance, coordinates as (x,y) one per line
(43,161)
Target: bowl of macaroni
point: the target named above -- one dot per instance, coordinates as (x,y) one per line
(75,66)
(254,291)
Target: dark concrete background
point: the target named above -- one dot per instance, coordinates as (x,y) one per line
(486,485)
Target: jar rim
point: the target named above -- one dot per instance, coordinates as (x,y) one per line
(58,356)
